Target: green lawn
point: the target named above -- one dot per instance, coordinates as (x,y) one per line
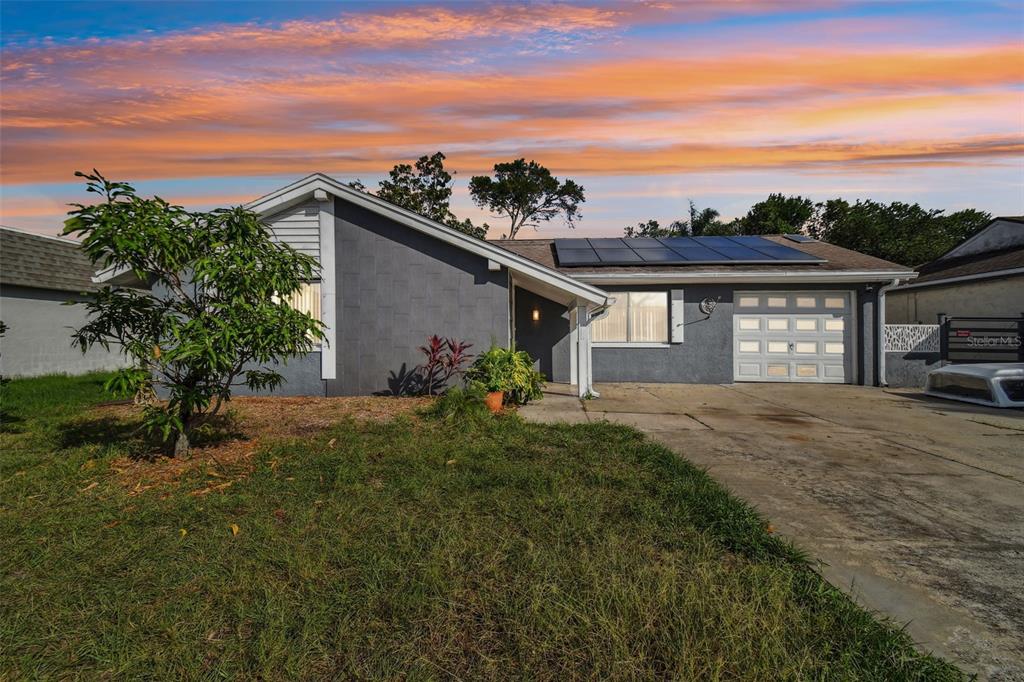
(414,548)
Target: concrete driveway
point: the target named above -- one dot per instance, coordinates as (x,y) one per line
(914,505)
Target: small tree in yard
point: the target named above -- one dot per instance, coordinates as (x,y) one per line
(527,194)
(217,316)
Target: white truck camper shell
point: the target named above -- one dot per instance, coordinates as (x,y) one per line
(997,384)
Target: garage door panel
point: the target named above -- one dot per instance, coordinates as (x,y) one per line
(750,370)
(792,337)
(834,372)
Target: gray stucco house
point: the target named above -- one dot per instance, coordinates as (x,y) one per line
(981,277)
(38,275)
(390,278)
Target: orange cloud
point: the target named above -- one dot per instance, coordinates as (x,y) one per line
(157,112)
(402,28)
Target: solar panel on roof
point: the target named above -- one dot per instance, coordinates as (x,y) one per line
(659,255)
(622,255)
(673,242)
(677,251)
(713,242)
(799,238)
(741,253)
(643,243)
(753,241)
(784,253)
(699,254)
(607,243)
(577,257)
(572,243)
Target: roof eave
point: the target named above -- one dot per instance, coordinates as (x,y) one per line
(760,276)
(946,281)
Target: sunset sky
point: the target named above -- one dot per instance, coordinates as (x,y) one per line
(645,104)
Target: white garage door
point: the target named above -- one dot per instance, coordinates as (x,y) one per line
(792,336)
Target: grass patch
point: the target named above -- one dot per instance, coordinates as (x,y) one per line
(416,547)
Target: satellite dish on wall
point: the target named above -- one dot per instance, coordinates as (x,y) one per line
(708,305)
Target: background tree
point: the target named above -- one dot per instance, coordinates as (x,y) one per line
(425,188)
(704,221)
(527,194)
(650,228)
(777,214)
(700,222)
(898,232)
(217,317)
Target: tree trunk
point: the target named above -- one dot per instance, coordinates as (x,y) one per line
(181,446)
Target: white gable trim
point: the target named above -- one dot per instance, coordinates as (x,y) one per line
(297,191)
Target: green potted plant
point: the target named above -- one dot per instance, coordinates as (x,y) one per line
(507,375)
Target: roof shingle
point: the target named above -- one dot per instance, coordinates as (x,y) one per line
(975,264)
(31,260)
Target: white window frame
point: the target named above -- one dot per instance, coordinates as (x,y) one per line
(624,296)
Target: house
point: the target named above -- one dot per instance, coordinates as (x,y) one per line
(743,309)
(981,277)
(38,275)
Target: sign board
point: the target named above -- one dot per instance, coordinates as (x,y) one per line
(983,339)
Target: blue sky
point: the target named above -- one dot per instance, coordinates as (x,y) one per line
(645,104)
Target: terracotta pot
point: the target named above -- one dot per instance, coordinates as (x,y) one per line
(494,400)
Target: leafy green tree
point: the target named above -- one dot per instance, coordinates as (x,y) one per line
(898,232)
(424,187)
(704,221)
(777,214)
(650,228)
(700,222)
(527,194)
(217,316)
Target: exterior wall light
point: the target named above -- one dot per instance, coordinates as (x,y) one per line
(536,315)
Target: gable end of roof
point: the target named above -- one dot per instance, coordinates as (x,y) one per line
(311,185)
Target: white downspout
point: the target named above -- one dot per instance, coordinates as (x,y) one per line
(880,341)
(584,349)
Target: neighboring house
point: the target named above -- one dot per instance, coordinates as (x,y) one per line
(38,275)
(793,311)
(981,277)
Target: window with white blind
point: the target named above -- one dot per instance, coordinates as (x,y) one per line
(636,317)
(306,299)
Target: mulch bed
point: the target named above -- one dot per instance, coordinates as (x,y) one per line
(251,422)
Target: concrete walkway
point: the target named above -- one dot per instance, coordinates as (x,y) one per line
(914,505)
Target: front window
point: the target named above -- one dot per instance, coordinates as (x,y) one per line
(635,317)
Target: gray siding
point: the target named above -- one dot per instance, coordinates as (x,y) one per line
(705,356)
(998,297)
(547,340)
(396,287)
(867,336)
(302,377)
(301,373)
(299,227)
(38,340)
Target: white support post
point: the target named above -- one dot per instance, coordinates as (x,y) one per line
(585,382)
(328,299)
(574,339)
